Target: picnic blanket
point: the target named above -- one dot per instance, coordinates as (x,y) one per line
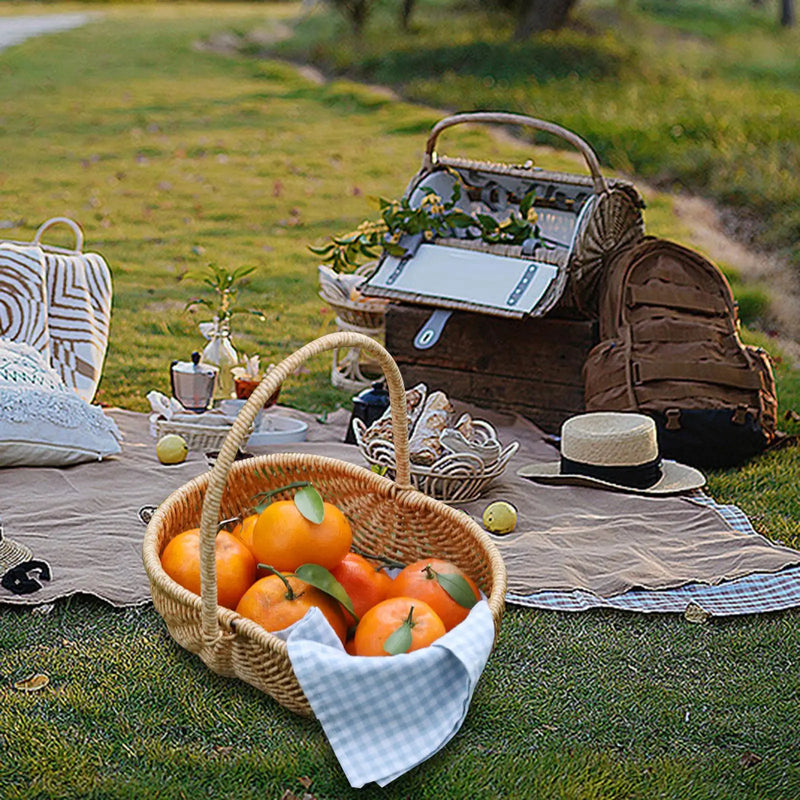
(574,547)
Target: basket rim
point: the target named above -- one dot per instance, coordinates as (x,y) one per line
(235,624)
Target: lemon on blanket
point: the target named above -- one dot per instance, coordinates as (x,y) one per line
(172,449)
(500,517)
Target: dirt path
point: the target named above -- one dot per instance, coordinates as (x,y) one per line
(14,30)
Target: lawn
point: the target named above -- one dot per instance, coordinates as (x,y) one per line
(173,156)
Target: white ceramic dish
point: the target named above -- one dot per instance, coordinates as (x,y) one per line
(277,429)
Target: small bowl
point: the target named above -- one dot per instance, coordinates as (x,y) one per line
(245,387)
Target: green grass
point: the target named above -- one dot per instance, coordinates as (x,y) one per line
(172,157)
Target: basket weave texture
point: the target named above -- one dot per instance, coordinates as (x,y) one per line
(198,437)
(335,290)
(387,517)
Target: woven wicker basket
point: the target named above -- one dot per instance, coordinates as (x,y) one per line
(607,214)
(199,436)
(335,289)
(454,477)
(387,517)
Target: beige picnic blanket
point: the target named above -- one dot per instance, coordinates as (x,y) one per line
(83,521)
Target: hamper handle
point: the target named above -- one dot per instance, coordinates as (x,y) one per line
(240,431)
(76,229)
(505,118)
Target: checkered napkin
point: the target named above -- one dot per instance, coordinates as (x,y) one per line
(757,593)
(368,706)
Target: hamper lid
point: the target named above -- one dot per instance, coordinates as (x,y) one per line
(454,277)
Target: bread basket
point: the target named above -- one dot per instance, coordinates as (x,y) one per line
(387,517)
(455,477)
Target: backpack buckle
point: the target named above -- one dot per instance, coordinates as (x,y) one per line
(673,419)
(740,415)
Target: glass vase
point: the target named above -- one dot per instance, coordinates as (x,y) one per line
(220,353)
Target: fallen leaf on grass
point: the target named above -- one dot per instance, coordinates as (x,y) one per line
(33,683)
(749,759)
(695,613)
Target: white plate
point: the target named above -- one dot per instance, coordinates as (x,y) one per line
(276,429)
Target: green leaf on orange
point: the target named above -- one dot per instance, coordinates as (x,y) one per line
(321,578)
(309,503)
(457,588)
(399,641)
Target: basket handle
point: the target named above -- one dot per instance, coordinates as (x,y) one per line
(240,431)
(505,118)
(76,229)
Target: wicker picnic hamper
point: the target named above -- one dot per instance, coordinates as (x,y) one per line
(387,517)
(584,218)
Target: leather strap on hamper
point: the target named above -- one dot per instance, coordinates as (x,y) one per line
(646,371)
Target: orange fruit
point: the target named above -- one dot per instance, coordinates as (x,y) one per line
(285,539)
(275,606)
(420,580)
(385,618)
(236,567)
(364,584)
(243,530)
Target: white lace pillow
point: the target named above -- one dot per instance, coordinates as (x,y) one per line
(43,423)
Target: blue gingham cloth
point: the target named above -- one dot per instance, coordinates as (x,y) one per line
(753,594)
(368,706)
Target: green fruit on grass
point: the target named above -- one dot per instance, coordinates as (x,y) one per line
(171,449)
(500,517)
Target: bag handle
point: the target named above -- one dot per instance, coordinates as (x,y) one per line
(504,118)
(240,431)
(76,229)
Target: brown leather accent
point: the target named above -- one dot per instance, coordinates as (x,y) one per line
(673,416)
(702,372)
(680,297)
(740,415)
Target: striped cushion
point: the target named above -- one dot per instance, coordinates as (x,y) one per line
(23,296)
(78,316)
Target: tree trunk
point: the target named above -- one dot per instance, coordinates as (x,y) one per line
(542,15)
(406,9)
(788,16)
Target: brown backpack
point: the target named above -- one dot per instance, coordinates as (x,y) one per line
(670,348)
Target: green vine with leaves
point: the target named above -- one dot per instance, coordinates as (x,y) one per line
(432,218)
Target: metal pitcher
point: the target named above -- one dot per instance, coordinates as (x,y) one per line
(193,383)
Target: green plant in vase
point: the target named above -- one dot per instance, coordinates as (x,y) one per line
(224,285)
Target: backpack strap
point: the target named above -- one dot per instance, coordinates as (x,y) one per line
(681,297)
(666,333)
(646,371)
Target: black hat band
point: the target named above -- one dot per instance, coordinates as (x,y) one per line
(639,476)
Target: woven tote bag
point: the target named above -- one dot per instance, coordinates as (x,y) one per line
(78,310)
(387,518)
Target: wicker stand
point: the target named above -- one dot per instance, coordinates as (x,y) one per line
(353,370)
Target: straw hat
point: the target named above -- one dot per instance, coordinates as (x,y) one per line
(611,450)
(11,553)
